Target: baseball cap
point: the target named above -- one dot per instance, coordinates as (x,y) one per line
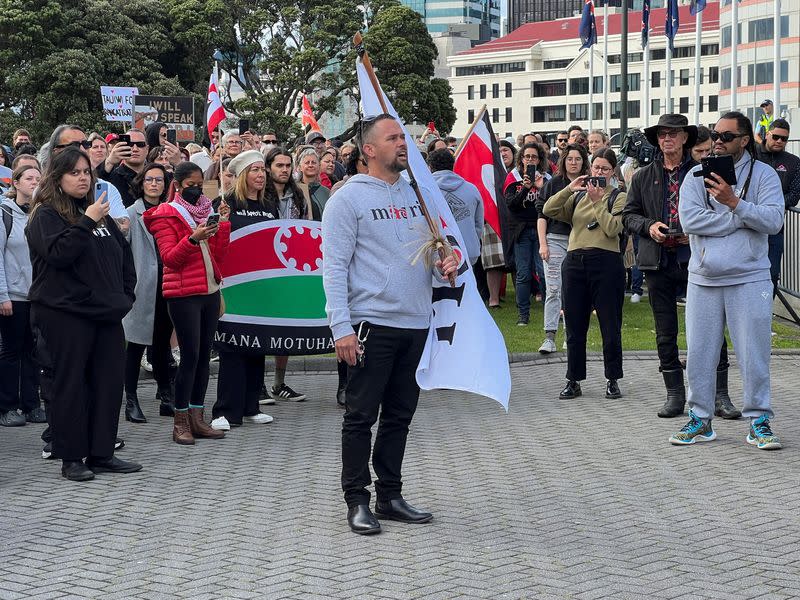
(111,137)
(766,102)
(314,135)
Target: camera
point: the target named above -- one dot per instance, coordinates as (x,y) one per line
(636,146)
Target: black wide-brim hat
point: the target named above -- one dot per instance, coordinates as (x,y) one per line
(672,122)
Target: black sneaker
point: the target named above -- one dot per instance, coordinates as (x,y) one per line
(284,392)
(612,390)
(12,419)
(37,415)
(522,321)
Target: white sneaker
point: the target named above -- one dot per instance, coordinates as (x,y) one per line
(259,418)
(220,424)
(146,365)
(548,346)
(636,298)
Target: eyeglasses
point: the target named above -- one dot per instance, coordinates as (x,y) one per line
(530,156)
(559,140)
(669,133)
(600,169)
(138,144)
(780,138)
(85,144)
(268,141)
(154,180)
(726,136)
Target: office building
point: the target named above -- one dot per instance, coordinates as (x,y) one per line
(479,18)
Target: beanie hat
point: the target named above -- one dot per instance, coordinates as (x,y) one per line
(244,160)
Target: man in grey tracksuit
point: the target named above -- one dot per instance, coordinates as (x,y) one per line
(729,280)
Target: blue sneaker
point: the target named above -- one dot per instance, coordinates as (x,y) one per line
(694,431)
(761,436)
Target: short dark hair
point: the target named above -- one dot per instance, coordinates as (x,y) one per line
(779,124)
(184,170)
(574,128)
(562,133)
(703,134)
(367,125)
(441,160)
(351,168)
(606,154)
(745,127)
(137,185)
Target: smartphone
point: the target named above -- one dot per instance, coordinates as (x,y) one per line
(125,138)
(431,126)
(172,136)
(99,188)
(244,126)
(670,233)
(530,171)
(598,181)
(721,165)
(213,220)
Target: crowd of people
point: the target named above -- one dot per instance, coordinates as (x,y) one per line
(111,247)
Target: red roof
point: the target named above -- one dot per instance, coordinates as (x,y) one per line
(530,34)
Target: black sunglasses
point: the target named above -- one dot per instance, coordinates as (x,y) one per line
(726,136)
(85,144)
(138,144)
(780,138)
(266,141)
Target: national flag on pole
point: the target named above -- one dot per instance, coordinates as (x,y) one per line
(215,112)
(588,29)
(645,23)
(479,162)
(512,177)
(672,23)
(308,115)
(464,350)
(697,6)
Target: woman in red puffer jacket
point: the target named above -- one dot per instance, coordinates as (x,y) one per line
(192,245)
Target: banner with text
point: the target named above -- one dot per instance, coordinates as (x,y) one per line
(118,102)
(176,111)
(272,285)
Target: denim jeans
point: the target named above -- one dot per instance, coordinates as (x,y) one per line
(526,254)
(557,244)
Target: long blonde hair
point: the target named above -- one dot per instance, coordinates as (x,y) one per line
(239,194)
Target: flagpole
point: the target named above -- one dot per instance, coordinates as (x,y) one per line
(591,86)
(443,248)
(776,51)
(646,82)
(478,117)
(605,68)
(698,20)
(734,53)
(667,83)
(219,137)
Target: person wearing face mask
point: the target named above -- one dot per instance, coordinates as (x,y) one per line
(148,322)
(191,252)
(593,276)
(19,397)
(241,375)
(83,285)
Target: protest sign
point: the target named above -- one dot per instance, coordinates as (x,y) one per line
(118,102)
(177,112)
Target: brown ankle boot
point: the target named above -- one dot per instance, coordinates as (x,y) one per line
(201,429)
(181,431)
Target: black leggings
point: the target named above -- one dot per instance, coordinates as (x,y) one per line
(18,370)
(195,320)
(161,351)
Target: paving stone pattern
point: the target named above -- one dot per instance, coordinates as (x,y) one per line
(582,499)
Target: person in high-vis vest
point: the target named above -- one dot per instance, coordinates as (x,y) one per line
(762,126)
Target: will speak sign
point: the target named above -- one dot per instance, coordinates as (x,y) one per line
(176,111)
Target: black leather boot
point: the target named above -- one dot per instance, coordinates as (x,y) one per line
(571,390)
(133,412)
(676,394)
(723,407)
(166,407)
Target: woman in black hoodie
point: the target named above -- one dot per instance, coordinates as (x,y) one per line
(83,282)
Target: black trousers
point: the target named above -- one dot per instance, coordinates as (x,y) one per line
(663,286)
(161,351)
(87,360)
(239,386)
(386,383)
(19,373)
(593,279)
(195,320)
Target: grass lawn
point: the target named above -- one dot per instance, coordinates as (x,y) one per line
(638,328)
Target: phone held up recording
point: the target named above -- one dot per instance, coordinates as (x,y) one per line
(722,166)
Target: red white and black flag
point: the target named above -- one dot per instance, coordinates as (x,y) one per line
(215,112)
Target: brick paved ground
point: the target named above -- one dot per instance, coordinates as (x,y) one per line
(580,500)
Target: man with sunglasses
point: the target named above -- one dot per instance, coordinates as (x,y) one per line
(562,140)
(729,280)
(773,152)
(651,212)
(124,162)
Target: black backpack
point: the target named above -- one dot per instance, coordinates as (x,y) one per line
(8,220)
(623,237)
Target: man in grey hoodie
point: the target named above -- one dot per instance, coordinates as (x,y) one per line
(729,280)
(463,198)
(379,309)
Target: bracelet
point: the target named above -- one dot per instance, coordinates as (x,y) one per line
(193,241)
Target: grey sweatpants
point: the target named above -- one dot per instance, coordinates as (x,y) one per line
(747,310)
(552,275)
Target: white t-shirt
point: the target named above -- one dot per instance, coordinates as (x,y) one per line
(116,208)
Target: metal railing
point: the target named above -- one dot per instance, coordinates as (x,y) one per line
(790,266)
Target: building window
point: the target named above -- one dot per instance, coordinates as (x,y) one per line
(683,105)
(598,110)
(483,91)
(508,89)
(470,92)
(513,67)
(549,114)
(658,54)
(615,82)
(495,90)
(556,64)
(701,104)
(508,114)
(495,115)
(615,109)
(760,30)
(655,106)
(470,116)
(540,89)
(597,85)
(655,79)
(713,103)
(763,73)
(713,74)
(633,109)
(726,35)
(725,83)
(684,76)
(579,112)
(579,85)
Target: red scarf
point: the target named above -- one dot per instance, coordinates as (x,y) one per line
(199,212)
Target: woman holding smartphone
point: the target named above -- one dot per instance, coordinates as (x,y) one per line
(83,285)
(593,276)
(192,242)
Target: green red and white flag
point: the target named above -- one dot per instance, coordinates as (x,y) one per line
(272,286)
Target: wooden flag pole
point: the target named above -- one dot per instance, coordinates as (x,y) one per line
(478,117)
(441,245)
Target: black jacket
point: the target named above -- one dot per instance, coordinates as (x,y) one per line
(83,269)
(121,177)
(787,166)
(551,188)
(645,206)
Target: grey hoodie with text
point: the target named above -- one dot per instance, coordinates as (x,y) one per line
(466,205)
(729,247)
(371,231)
